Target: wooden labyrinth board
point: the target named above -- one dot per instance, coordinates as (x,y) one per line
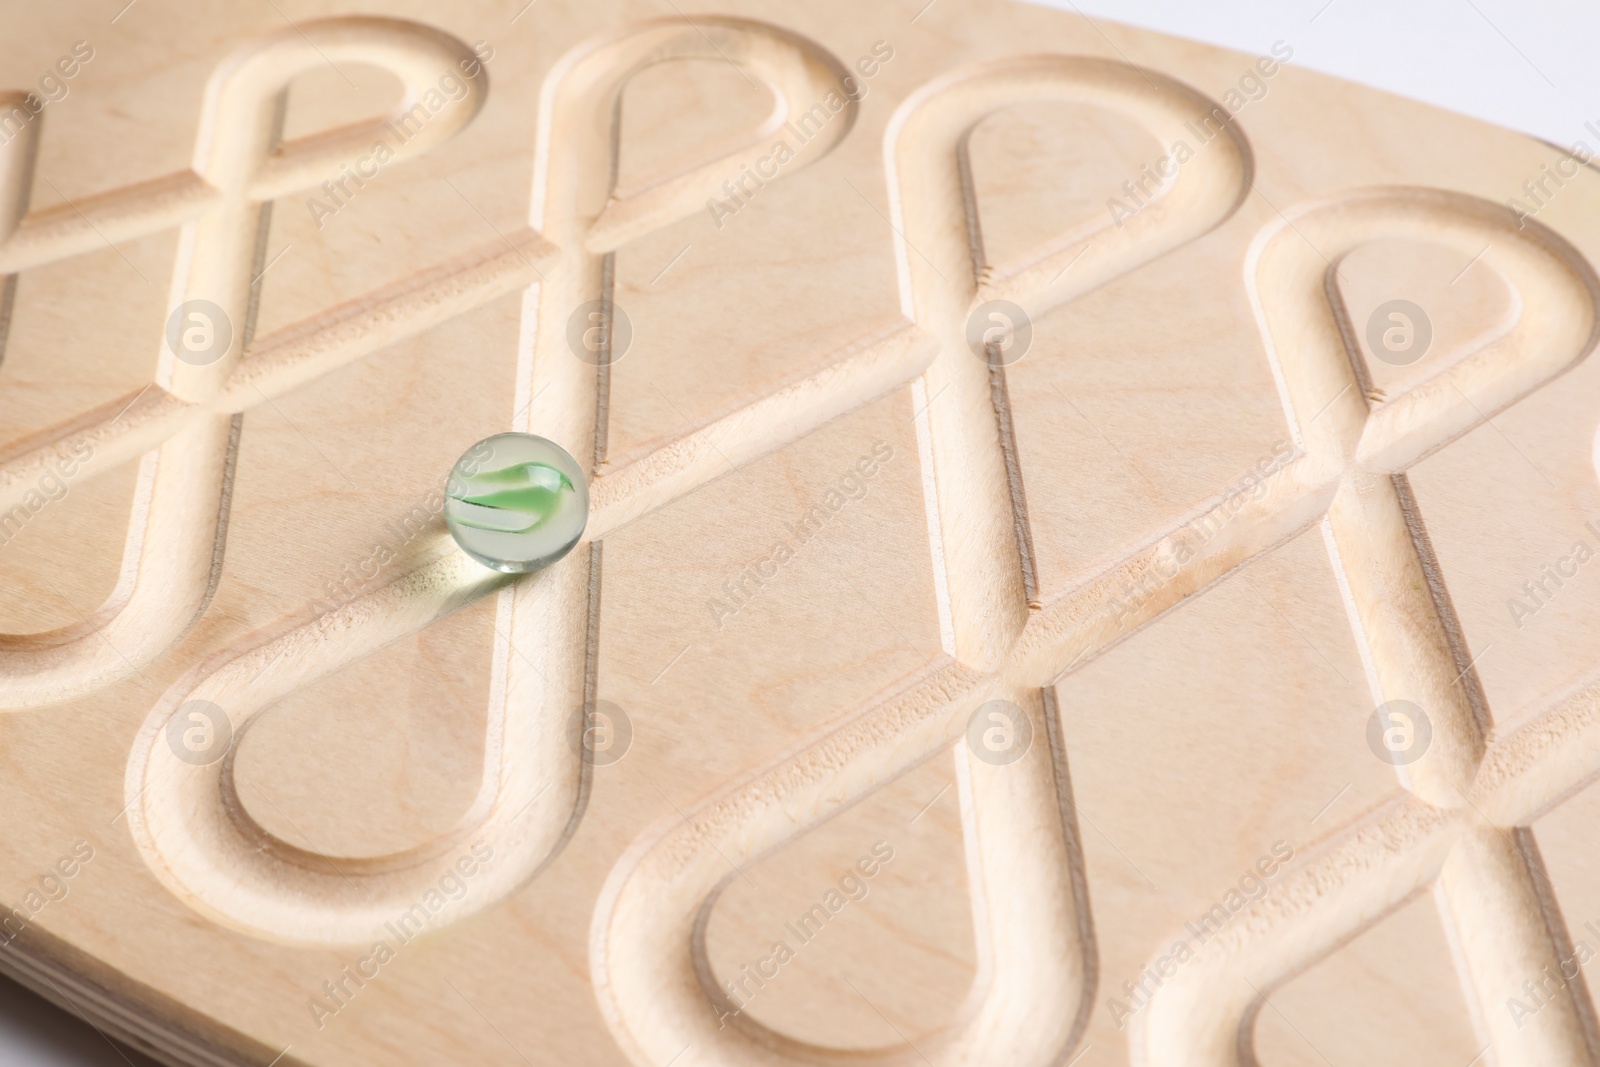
(1091,554)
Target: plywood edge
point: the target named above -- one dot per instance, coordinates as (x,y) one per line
(128,1011)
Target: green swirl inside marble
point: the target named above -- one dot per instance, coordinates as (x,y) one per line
(511,499)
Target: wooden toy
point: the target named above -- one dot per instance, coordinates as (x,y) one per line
(1087,559)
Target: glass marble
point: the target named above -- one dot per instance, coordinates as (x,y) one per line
(516,502)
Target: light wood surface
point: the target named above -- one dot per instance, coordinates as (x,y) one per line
(288,779)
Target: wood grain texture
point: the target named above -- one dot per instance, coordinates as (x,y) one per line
(971,358)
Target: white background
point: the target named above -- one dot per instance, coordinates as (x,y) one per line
(1532,66)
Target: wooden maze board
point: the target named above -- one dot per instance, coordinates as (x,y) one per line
(1263,502)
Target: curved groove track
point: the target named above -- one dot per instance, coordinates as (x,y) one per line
(186,820)
(1458,829)
(1036,963)
(183,422)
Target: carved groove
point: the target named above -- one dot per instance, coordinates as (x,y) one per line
(186,820)
(1030,901)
